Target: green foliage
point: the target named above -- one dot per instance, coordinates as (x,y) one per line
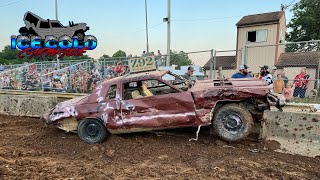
(180,59)
(10,56)
(305,22)
(76,57)
(119,53)
(104,56)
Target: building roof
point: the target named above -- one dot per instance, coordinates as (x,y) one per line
(259,19)
(299,59)
(226,62)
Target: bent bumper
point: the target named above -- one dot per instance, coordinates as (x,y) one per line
(277,100)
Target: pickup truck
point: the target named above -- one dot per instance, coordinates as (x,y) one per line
(149,101)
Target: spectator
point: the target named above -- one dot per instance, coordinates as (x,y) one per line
(278,84)
(153,55)
(285,79)
(159,55)
(189,73)
(108,77)
(287,92)
(118,68)
(243,72)
(144,54)
(206,77)
(301,82)
(265,75)
(273,72)
(1,67)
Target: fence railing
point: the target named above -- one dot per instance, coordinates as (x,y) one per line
(77,75)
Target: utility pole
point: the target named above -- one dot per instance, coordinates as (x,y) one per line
(145,1)
(56,8)
(168,34)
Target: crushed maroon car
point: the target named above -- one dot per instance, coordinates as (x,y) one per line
(160,100)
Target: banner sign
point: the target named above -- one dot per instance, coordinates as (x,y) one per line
(142,64)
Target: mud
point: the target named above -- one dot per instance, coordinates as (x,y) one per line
(31,150)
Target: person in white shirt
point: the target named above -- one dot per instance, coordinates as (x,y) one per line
(265,75)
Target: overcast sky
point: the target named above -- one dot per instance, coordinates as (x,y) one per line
(120,24)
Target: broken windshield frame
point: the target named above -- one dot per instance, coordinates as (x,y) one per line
(177,79)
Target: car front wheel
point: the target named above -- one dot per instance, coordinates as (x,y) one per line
(232,122)
(92,131)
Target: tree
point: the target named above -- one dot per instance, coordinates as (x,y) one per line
(105,56)
(9,56)
(76,57)
(180,59)
(305,22)
(119,53)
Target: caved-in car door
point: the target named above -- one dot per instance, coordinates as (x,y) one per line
(157,109)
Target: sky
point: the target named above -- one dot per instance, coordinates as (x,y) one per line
(120,24)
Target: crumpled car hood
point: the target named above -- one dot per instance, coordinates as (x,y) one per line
(64,109)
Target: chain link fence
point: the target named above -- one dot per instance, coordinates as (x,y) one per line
(82,76)
(78,76)
(296,61)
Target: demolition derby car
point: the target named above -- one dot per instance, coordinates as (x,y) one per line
(36,26)
(162,100)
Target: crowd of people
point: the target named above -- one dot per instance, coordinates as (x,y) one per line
(291,90)
(77,78)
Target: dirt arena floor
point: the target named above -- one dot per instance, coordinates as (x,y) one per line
(31,150)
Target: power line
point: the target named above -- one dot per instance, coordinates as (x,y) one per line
(121,36)
(207,19)
(10,3)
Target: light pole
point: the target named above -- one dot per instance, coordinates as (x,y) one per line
(56,9)
(168,34)
(145,1)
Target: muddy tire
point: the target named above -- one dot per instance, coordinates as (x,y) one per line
(92,131)
(232,122)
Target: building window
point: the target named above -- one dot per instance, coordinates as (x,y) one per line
(257,36)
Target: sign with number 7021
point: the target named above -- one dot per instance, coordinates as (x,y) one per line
(142,64)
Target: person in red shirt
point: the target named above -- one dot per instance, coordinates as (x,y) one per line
(301,82)
(118,68)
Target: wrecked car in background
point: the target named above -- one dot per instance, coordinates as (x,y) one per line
(146,101)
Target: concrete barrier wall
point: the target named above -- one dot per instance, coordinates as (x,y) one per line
(26,105)
(297,132)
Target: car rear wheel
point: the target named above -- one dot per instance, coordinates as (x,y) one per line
(92,131)
(232,122)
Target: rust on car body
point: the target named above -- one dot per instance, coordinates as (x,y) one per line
(182,107)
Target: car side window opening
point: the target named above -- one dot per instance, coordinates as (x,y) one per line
(44,24)
(56,25)
(146,88)
(177,82)
(112,92)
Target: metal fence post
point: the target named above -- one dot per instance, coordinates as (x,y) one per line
(211,64)
(240,59)
(245,55)
(215,64)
